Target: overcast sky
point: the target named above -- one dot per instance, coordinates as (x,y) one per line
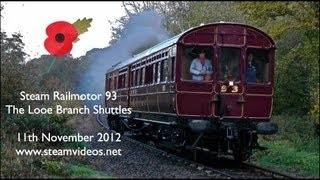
(32,18)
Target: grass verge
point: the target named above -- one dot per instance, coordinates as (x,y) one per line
(57,169)
(294,150)
(36,166)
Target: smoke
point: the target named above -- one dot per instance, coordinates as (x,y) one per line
(142,30)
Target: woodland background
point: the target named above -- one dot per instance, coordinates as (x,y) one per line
(293,25)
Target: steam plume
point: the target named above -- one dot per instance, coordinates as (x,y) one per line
(142,30)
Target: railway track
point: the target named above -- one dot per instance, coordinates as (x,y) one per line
(222,168)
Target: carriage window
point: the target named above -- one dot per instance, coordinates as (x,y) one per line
(230,64)
(135,80)
(132,79)
(138,77)
(155,70)
(115,82)
(120,81)
(109,83)
(173,70)
(125,80)
(159,72)
(257,66)
(164,71)
(149,74)
(197,63)
(142,72)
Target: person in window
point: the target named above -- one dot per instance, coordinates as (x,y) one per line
(251,71)
(201,68)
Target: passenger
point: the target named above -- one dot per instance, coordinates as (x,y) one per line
(201,68)
(251,71)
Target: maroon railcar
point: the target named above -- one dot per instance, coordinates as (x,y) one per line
(221,112)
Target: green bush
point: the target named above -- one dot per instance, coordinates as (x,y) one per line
(298,130)
(297,76)
(37,124)
(14,166)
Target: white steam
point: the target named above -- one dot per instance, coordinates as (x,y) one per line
(142,30)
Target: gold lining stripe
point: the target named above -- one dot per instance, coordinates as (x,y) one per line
(152,112)
(193,92)
(155,93)
(263,95)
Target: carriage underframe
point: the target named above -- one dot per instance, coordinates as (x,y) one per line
(214,136)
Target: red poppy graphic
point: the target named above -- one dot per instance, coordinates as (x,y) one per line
(61,34)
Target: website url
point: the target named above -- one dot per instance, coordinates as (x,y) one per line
(69,152)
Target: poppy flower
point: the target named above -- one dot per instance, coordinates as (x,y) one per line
(61,34)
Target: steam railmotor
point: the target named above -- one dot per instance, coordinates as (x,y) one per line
(222,113)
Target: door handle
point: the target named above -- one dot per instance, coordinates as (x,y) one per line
(240,100)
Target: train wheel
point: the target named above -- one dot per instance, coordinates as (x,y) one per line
(241,155)
(115,124)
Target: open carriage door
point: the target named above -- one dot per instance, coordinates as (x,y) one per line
(231,40)
(229,86)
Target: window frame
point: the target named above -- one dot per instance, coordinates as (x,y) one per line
(173,69)
(211,57)
(254,50)
(164,70)
(219,81)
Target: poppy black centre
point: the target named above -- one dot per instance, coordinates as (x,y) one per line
(59,38)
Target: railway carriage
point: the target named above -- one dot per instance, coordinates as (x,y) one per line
(222,114)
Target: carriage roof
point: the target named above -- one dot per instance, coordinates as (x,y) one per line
(147,52)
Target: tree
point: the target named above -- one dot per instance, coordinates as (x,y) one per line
(295,28)
(281,17)
(12,62)
(178,16)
